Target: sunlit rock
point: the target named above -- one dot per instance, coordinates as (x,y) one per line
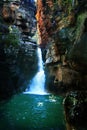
(62,30)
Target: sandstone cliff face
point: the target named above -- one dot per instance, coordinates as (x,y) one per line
(18,52)
(62,28)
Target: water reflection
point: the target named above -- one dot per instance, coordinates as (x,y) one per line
(32,112)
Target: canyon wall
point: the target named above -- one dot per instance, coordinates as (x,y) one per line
(18,49)
(62,29)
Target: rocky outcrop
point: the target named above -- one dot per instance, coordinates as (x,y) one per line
(65,42)
(18,51)
(75,105)
(65,55)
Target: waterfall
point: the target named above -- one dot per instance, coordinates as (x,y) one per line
(38,82)
(73,3)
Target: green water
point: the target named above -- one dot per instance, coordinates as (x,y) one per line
(32,112)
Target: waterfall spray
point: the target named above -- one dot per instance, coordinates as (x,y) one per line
(37,85)
(73,3)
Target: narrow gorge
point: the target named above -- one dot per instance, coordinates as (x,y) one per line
(43,60)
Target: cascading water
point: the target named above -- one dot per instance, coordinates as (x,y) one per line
(38,82)
(73,3)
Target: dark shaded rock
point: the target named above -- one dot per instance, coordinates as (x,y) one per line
(3,29)
(61,79)
(18,64)
(7,87)
(75,105)
(78,54)
(18,53)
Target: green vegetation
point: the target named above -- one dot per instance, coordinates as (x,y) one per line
(69,5)
(80,24)
(11,38)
